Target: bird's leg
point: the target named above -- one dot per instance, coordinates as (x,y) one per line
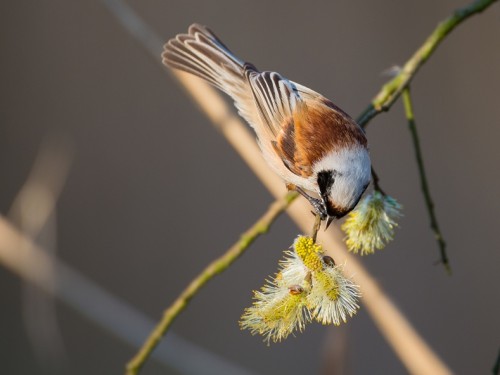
(317,204)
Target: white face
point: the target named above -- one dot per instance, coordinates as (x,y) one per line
(353,174)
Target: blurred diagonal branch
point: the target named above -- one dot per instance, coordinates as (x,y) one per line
(37,198)
(33,210)
(29,261)
(407,101)
(416,355)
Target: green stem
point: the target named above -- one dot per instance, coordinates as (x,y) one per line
(392,89)
(214,268)
(423,178)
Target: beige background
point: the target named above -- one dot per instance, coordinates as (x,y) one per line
(155,193)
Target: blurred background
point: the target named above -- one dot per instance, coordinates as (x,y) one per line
(154,193)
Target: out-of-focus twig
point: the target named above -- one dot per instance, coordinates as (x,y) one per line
(23,257)
(407,102)
(36,200)
(33,211)
(214,268)
(335,351)
(392,89)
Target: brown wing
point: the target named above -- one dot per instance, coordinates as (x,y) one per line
(275,97)
(285,147)
(316,128)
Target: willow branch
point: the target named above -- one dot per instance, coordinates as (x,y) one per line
(214,268)
(393,89)
(423,178)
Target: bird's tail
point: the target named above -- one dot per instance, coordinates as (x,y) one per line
(200,52)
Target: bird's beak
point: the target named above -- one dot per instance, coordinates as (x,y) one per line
(329,221)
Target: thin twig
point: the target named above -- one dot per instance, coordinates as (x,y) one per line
(316,227)
(214,268)
(423,178)
(392,89)
(496,367)
(376,183)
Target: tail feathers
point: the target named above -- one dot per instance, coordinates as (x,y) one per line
(201,53)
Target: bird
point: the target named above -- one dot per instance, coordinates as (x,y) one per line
(313,145)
